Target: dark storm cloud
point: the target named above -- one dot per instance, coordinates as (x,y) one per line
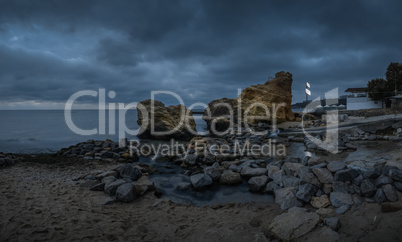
(202,50)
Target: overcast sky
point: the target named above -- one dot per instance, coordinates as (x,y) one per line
(202,50)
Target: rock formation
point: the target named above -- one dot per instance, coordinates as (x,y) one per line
(275,95)
(175,122)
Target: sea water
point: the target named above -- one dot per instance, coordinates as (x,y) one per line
(46,131)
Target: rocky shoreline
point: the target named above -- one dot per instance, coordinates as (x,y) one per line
(309,188)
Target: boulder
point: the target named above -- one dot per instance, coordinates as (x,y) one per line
(286,198)
(213,172)
(290,181)
(386,169)
(390,193)
(358,180)
(306,192)
(105,174)
(108,179)
(222,113)
(339,199)
(130,172)
(250,172)
(200,180)
(258,183)
(327,188)
(345,175)
(229,177)
(190,159)
(272,169)
(375,171)
(398,186)
(143,185)
(323,175)
(271,187)
(277,177)
(125,193)
(309,177)
(396,174)
(111,187)
(292,168)
(292,159)
(383,180)
(379,196)
(339,186)
(335,166)
(368,188)
(293,224)
(172,122)
(235,168)
(320,202)
(316,161)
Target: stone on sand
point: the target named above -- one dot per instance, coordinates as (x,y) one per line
(293,224)
(130,172)
(390,193)
(125,193)
(111,187)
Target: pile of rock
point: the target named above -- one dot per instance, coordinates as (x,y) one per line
(124,184)
(312,123)
(329,141)
(9,160)
(322,183)
(311,180)
(359,134)
(229,173)
(100,150)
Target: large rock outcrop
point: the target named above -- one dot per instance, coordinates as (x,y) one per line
(274,95)
(175,122)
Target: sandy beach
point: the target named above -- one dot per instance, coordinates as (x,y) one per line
(41,202)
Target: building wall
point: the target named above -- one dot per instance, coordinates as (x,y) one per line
(356,103)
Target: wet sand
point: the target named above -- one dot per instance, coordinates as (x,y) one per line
(41,202)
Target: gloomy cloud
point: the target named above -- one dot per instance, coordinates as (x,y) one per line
(202,50)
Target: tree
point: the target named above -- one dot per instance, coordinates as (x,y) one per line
(394,76)
(378,89)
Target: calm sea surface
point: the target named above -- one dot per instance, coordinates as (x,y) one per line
(41,131)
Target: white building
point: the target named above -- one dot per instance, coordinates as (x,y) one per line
(358,99)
